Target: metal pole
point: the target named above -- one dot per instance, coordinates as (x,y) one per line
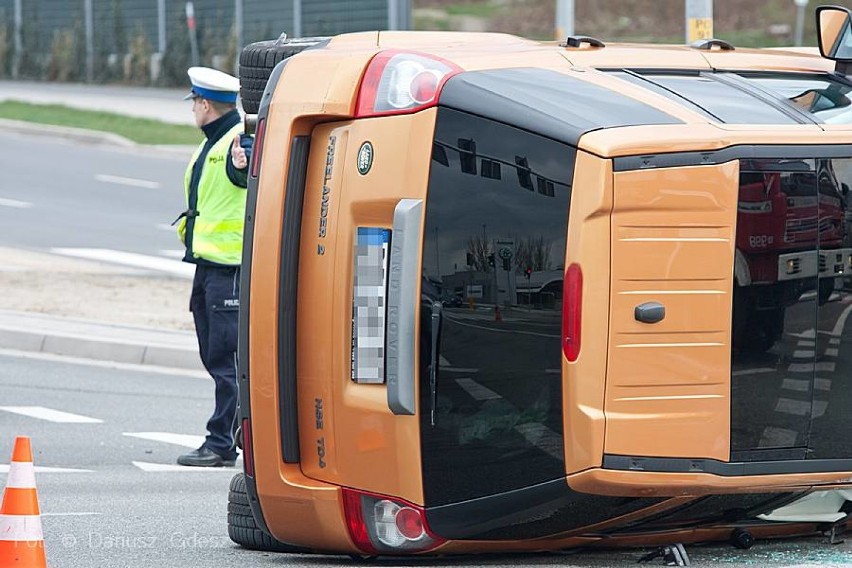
(297,18)
(393,15)
(238,31)
(193,38)
(564,19)
(405,14)
(161,26)
(90,41)
(800,20)
(19,42)
(699,20)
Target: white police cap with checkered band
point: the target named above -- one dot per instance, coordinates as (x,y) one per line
(213,84)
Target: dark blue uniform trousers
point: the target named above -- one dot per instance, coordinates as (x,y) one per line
(215,308)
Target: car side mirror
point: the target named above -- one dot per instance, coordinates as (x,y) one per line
(834,30)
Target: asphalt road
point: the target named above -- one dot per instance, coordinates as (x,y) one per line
(61,193)
(125,505)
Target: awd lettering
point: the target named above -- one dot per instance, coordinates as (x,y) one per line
(326,191)
(321,452)
(318,413)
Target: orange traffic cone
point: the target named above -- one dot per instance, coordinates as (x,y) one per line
(21,539)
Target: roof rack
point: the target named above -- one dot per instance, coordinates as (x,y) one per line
(578,40)
(708,44)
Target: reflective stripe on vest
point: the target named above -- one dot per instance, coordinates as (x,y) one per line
(217,233)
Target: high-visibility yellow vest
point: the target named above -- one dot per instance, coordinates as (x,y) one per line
(217,234)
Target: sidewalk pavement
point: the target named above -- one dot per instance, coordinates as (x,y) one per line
(147,322)
(104,341)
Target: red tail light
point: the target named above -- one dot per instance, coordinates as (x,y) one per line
(248,455)
(257,150)
(572,307)
(385,525)
(400,82)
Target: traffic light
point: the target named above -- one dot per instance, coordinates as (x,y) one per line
(469,259)
(491,259)
(506,265)
(528,272)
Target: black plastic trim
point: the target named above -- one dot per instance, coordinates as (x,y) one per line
(716,157)
(477,516)
(547,103)
(287,297)
(243,367)
(725,469)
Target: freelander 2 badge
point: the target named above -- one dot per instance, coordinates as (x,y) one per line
(365,158)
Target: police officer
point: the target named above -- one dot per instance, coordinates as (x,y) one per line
(211,228)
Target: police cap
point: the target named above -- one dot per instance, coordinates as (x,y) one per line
(213,84)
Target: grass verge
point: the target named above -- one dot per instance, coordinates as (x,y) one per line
(139,130)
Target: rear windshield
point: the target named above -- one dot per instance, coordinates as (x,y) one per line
(493,256)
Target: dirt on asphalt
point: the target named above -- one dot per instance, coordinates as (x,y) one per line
(51,284)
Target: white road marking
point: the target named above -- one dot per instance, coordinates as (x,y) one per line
(807,334)
(476,390)
(826,366)
(798,385)
(173,253)
(50,415)
(169,468)
(542,437)
(841,322)
(806,344)
(68,514)
(758,371)
(803,354)
(130,259)
(14,203)
(822,384)
(4,468)
(820,406)
(773,437)
(831,352)
(834,341)
(185,440)
(445,365)
(106,178)
(794,407)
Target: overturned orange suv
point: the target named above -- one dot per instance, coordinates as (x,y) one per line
(502,295)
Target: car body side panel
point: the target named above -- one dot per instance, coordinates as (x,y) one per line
(668,392)
(310,91)
(588,245)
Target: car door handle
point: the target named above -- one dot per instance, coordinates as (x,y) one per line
(649,312)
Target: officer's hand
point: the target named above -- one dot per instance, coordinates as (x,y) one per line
(238,154)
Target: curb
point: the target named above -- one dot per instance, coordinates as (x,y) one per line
(116,343)
(90,137)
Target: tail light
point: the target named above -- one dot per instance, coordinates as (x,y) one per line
(257,150)
(248,454)
(384,525)
(400,82)
(572,307)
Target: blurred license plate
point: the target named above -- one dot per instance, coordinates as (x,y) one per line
(369,304)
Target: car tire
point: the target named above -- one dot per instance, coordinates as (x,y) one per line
(242,528)
(257,60)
